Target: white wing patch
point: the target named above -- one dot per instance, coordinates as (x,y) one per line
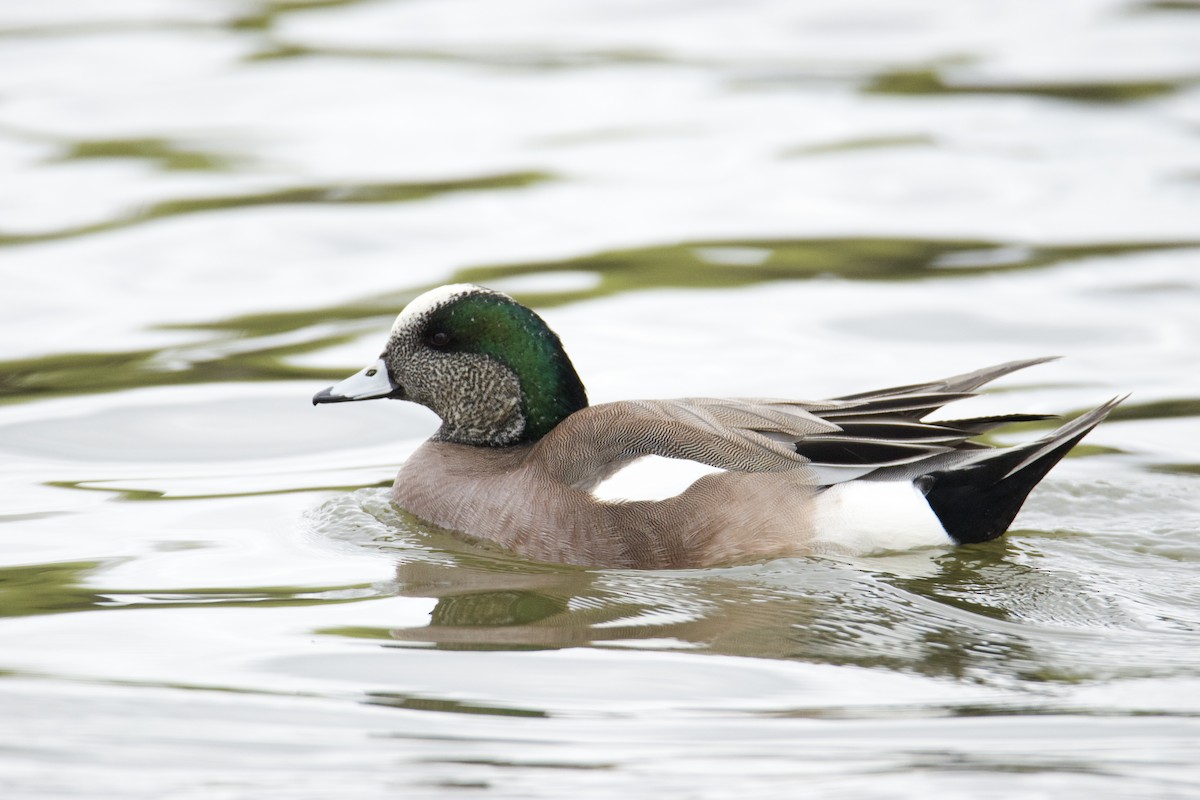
(652,478)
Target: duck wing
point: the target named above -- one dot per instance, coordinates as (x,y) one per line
(830,441)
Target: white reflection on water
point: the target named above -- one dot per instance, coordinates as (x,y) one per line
(210,210)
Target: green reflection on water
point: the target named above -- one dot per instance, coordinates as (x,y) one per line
(931,82)
(1158,409)
(700,264)
(497,608)
(85,373)
(355,632)
(1176,469)
(264,15)
(988,613)
(416,703)
(330,194)
(523,58)
(59,588)
(260,15)
(853,145)
(503,611)
(35,589)
(954,622)
(743,262)
(124,493)
(164,153)
(1167,5)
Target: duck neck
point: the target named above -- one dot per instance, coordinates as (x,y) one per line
(549,395)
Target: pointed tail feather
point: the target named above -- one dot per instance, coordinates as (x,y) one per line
(978,500)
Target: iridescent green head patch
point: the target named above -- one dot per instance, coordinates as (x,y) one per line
(494,325)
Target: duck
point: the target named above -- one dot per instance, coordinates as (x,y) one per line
(520,453)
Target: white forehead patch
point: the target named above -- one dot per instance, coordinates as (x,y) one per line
(423,304)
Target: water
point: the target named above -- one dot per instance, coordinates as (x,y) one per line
(209,211)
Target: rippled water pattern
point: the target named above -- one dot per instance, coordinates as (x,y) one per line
(209,210)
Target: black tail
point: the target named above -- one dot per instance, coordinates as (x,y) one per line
(978,500)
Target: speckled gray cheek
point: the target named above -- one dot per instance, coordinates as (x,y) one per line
(477,398)
(479,401)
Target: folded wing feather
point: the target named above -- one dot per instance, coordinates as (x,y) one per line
(826,442)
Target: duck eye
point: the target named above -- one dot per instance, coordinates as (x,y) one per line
(439,339)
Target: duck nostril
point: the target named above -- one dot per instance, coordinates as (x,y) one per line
(372,372)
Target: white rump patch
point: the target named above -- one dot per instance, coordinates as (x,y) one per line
(862,517)
(423,304)
(652,478)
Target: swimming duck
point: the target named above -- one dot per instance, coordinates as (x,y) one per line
(520,453)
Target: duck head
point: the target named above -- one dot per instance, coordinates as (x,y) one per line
(487,365)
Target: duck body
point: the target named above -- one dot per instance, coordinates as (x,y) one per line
(517,497)
(722,518)
(520,454)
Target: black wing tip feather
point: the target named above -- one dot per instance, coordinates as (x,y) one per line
(977,501)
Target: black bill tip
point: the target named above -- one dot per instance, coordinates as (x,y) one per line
(327,396)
